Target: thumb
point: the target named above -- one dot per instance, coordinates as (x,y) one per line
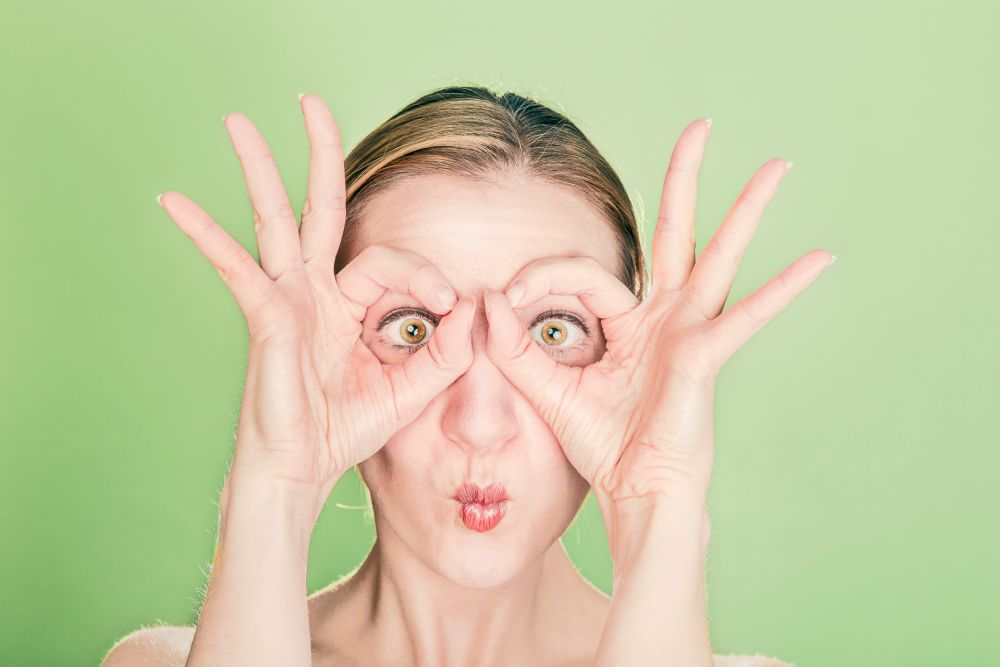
(437,364)
(542,380)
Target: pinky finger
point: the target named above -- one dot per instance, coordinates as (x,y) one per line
(734,327)
(238,269)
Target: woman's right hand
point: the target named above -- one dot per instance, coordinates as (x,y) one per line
(317,401)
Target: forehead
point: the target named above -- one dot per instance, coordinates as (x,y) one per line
(480,233)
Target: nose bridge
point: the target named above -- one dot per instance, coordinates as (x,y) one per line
(479,411)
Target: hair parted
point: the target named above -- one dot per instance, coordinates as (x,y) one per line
(473,132)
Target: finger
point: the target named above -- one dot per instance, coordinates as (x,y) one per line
(274,219)
(542,380)
(325,209)
(433,367)
(601,292)
(715,270)
(746,317)
(237,268)
(379,267)
(674,236)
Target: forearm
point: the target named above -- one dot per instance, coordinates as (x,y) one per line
(255,610)
(658,612)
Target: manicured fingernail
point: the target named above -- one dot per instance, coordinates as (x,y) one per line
(158,198)
(301,95)
(709,121)
(515,292)
(447,296)
(788,165)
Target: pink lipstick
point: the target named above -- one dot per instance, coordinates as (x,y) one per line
(481,508)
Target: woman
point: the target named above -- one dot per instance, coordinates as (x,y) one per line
(464,315)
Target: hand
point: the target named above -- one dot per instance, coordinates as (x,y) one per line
(639,422)
(317,400)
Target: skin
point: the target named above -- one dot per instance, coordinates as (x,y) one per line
(482,399)
(439,592)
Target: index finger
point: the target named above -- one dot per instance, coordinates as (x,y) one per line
(380,267)
(601,292)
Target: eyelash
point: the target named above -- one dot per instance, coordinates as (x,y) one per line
(541,317)
(552,314)
(397,315)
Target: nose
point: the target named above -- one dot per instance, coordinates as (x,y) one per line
(479,414)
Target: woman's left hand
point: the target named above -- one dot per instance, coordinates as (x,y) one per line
(638,423)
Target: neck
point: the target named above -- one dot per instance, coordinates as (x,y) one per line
(410,614)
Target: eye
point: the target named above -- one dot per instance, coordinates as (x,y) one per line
(558,331)
(408,329)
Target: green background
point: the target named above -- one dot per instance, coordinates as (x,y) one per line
(854,498)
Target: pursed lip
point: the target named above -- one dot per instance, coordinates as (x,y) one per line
(470,492)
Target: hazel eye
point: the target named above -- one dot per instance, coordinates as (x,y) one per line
(412,330)
(408,329)
(557,331)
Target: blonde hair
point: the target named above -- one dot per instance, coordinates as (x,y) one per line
(471,131)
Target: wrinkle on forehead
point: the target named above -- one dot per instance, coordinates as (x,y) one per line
(480,234)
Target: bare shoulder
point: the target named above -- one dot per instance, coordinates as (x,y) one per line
(155,646)
(749,661)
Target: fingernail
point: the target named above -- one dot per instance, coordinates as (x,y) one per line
(447,296)
(788,165)
(515,292)
(301,95)
(833,258)
(709,121)
(158,197)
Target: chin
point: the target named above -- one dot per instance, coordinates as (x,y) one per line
(485,558)
(479,568)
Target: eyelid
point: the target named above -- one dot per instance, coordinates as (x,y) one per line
(560,314)
(399,313)
(548,314)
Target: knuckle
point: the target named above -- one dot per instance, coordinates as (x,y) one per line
(717,249)
(259,154)
(233,260)
(747,308)
(747,201)
(677,166)
(330,143)
(282,211)
(666,223)
(327,201)
(782,281)
(426,272)
(695,297)
(372,252)
(436,354)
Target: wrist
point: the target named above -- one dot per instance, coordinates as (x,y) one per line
(678,515)
(253,500)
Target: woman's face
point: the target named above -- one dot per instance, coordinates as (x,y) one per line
(480,429)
